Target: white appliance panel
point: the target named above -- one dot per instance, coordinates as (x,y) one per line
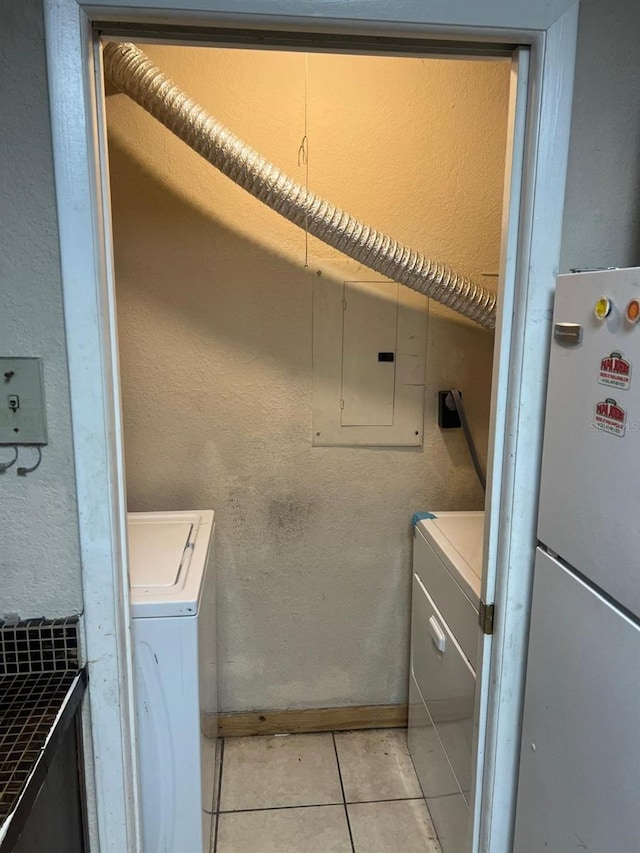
(208,686)
(445,680)
(168,552)
(460,535)
(590,498)
(450,816)
(579,769)
(458,539)
(156,551)
(448,807)
(433,769)
(441,570)
(176,684)
(167,713)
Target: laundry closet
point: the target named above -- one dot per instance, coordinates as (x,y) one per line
(294,391)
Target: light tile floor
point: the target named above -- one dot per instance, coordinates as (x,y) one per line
(346,792)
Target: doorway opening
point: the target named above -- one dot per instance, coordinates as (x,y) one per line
(539,134)
(250,387)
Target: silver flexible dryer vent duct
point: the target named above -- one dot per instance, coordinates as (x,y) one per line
(131,71)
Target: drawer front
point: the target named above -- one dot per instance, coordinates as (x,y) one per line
(429,758)
(448,807)
(458,611)
(445,680)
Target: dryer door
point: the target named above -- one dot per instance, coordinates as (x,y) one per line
(445,680)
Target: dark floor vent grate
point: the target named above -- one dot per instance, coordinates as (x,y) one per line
(39,645)
(38,664)
(29,705)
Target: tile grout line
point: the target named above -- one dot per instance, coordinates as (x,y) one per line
(384,800)
(214,847)
(282,808)
(325,805)
(344,799)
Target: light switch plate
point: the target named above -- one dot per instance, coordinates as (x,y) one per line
(22,413)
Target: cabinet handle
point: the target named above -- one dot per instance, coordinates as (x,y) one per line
(567,334)
(437,634)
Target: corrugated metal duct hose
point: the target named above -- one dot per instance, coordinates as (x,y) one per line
(133,73)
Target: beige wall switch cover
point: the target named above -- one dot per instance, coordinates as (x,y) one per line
(369,342)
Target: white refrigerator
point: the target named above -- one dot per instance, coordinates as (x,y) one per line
(579,781)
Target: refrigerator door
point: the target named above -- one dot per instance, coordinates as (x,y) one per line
(590,494)
(579,767)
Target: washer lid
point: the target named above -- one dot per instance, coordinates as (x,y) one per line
(458,538)
(156,552)
(168,558)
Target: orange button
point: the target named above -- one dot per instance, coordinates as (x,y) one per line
(633,311)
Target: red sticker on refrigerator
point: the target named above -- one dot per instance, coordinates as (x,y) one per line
(610,417)
(615,371)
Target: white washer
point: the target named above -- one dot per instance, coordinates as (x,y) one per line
(447,566)
(172,581)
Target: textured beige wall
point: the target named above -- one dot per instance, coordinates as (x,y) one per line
(214,304)
(39,562)
(39,551)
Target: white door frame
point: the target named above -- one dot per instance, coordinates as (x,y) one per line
(531,250)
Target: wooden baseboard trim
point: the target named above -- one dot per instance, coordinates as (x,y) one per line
(312,720)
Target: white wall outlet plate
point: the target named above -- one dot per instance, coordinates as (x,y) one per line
(22,413)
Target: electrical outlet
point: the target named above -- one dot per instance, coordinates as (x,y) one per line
(22,413)
(448,417)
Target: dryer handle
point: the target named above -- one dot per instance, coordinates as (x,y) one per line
(437,634)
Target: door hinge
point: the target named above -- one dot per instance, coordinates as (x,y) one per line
(485,617)
(342,404)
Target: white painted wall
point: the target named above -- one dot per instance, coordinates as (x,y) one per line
(39,552)
(602,208)
(215,318)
